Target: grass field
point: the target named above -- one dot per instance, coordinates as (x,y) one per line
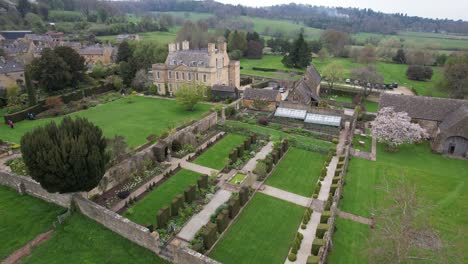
(156,36)
(370,106)
(135,121)
(367,143)
(216,155)
(277,135)
(262,233)
(237,179)
(144,211)
(440,182)
(22,218)
(81,240)
(390,71)
(349,243)
(298,172)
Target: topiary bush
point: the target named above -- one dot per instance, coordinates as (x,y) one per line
(325,216)
(313,260)
(321,229)
(292,257)
(335,141)
(316,245)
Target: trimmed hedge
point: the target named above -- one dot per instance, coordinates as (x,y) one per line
(316,245)
(240,150)
(313,260)
(325,216)
(336,179)
(176,204)
(234,207)
(222,220)
(163,217)
(190,193)
(233,155)
(333,188)
(203,182)
(321,229)
(244,195)
(208,234)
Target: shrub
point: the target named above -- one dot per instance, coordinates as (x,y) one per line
(419,73)
(234,207)
(325,216)
(203,182)
(303,226)
(222,221)
(333,188)
(313,260)
(190,193)
(230,111)
(163,217)
(244,195)
(335,141)
(176,204)
(300,235)
(208,234)
(341,158)
(321,229)
(315,196)
(123,194)
(292,257)
(316,245)
(263,121)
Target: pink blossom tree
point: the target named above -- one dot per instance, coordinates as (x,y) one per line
(395,128)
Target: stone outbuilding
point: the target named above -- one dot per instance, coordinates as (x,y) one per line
(223,92)
(306,91)
(261,99)
(446,120)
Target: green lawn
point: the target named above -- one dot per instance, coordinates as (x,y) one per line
(81,240)
(267,61)
(440,182)
(262,233)
(216,155)
(276,135)
(144,211)
(392,73)
(298,172)
(237,179)
(367,143)
(349,243)
(370,106)
(22,218)
(135,120)
(156,36)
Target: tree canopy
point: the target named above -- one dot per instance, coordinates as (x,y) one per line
(189,95)
(299,54)
(69,157)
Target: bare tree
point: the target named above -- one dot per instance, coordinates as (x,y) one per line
(367,55)
(402,233)
(333,72)
(367,77)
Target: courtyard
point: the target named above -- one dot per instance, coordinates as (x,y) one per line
(134,117)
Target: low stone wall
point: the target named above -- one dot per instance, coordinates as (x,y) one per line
(119,224)
(29,186)
(188,256)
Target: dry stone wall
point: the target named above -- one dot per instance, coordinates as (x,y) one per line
(29,186)
(188,256)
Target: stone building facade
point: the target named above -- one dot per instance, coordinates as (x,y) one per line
(208,67)
(446,120)
(11,73)
(307,90)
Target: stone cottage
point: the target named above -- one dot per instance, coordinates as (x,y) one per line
(261,99)
(306,91)
(223,92)
(446,120)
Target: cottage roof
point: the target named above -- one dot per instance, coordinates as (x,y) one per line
(16,47)
(224,88)
(456,123)
(190,58)
(422,107)
(34,37)
(9,66)
(14,34)
(93,50)
(306,89)
(261,94)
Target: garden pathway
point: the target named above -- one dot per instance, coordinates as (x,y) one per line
(190,229)
(194,167)
(309,234)
(250,166)
(284,195)
(355,218)
(327,182)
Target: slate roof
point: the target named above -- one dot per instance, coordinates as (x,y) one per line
(224,88)
(14,34)
(422,107)
(35,37)
(306,89)
(456,123)
(261,94)
(190,58)
(16,47)
(10,66)
(92,50)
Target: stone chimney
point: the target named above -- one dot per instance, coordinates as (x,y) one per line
(211,48)
(172,47)
(185,45)
(222,46)
(177,46)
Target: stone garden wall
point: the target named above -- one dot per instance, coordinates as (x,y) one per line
(123,170)
(119,224)
(29,186)
(188,256)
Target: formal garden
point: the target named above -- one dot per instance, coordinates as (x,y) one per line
(133,117)
(440,186)
(215,157)
(299,179)
(268,224)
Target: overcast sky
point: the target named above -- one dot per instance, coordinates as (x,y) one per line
(452,9)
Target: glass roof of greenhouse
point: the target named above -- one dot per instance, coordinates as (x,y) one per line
(323,120)
(291,113)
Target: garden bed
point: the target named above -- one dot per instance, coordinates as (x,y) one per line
(237,179)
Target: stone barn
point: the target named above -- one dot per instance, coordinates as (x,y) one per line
(446,120)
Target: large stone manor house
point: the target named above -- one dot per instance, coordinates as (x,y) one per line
(208,67)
